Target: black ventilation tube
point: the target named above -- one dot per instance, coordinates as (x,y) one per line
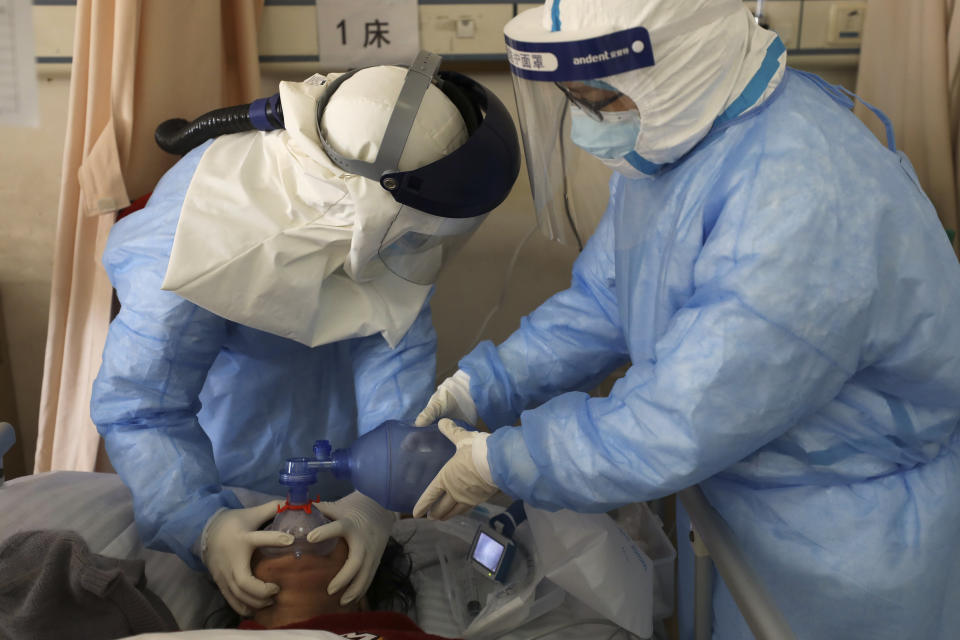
(180,136)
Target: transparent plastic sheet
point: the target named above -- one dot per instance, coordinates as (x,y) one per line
(481,607)
(646,529)
(618,567)
(595,561)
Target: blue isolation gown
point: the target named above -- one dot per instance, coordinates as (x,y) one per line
(789,305)
(188,402)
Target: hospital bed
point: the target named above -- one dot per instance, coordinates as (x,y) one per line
(713,542)
(99,507)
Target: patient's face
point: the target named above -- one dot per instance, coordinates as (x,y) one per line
(303,586)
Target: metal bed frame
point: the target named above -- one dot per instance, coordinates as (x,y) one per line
(7,438)
(714,544)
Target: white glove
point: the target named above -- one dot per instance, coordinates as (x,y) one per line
(450,400)
(464,481)
(366,526)
(226,547)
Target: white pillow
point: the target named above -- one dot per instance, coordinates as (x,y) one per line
(99,507)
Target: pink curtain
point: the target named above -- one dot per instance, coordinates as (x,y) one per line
(135,64)
(910,68)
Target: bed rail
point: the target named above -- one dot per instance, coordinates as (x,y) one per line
(718,544)
(7,437)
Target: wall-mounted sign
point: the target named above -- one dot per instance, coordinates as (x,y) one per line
(359,33)
(18,69)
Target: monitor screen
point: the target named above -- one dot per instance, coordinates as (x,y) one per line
(488,552)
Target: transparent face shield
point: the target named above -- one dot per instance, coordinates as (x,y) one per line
(569,186)
(550,74)
(417,245)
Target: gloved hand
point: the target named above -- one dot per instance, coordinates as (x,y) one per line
(464,481)
(226,546)
(366,526)
(450,400)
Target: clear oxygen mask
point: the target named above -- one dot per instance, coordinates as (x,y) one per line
(297,516)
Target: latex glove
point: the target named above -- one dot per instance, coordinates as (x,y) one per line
(450,400)
(226,547)
(464,481)
(366,527)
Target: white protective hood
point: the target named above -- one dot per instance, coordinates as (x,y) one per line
(697,75)
(274,236)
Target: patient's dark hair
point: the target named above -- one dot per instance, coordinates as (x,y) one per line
(391,588)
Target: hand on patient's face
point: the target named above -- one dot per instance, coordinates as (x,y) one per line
(303,586)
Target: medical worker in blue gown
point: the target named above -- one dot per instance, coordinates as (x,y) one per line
(786,299)
(272,293)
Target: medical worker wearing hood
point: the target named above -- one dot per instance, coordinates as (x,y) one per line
(786,300)
(274,291)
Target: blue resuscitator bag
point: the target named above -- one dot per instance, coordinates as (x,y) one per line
(391,464)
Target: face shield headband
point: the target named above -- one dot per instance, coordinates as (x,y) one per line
(441,204)
(542,60)
(472,180)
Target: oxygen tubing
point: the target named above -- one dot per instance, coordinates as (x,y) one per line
(180,136)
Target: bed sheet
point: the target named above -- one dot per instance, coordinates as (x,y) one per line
(99,507)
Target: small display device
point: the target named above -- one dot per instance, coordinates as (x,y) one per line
(491,554)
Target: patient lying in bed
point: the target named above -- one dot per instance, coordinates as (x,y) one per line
(98,506)
(48,562)
(303,601)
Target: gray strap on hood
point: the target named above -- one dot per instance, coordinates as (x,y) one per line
(419,76)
